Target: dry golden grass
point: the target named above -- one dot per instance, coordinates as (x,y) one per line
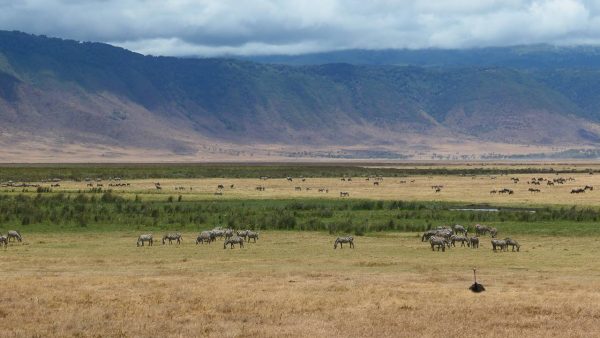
(456,188)
(295,284)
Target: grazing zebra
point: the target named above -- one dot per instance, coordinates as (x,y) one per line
(481,229)
(493,232)
(513,243)
(205,237)
(172,237)
(462,239)
(428,235)
(253,235)
(3,240)
(145,238)
(218,232)
(499,243)
(234,240)
(459,229)
(440,242)
(14,234)
(473,242)
(243,234)
(228,233)
(342,240)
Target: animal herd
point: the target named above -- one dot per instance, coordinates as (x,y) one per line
(230,236)
(14,235)
(444,237)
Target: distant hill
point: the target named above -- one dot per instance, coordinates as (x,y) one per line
(70,98)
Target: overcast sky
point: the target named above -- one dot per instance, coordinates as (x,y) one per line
(218,27)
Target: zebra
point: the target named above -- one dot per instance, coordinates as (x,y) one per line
(218,232)
(3,241)
(243,234)
(253,235)
(493,232)
(473,242)
(461,239)
(228,233)
(205,236)
(14,234)
(440,242)
(499,243)
(459,229)
(342,240)
(172,237)
(513,243)
(481,229)
(145,238)
(232,241)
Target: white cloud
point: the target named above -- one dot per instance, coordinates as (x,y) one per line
(217,27)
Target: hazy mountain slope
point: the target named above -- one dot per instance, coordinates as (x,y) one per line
(66,92)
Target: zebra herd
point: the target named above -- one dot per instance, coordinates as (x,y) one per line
(14,235)
(231,237)
(444,237)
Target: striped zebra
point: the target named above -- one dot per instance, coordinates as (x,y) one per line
(252,235)
(3,241)
(172,237)
(428,235)
(456,238)
(499,243)
(493,232)
(228,233)
(481,229)
(243,234)
(459,229)
(15,235)
(234,240)
(473,242)
(218,232)
(145,238)
(513,243)
(205,237)
(342,240)
(438,242)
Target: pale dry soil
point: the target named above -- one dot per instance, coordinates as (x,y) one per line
(296,284)
(474,189)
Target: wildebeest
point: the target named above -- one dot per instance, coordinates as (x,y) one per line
(513,243)
(499,243)
(473,242)
(233,241)
(440,242)
(260,188)
(14,234)
(205,237)
(534,190)
(253,235)
(344,194)
(375,183)
(342,240)
(588,187)
(298,188)
(145,238)
(577,191)
(172,237)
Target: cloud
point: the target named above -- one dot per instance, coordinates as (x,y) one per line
(218,27)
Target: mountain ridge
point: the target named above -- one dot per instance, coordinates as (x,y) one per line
(71,94)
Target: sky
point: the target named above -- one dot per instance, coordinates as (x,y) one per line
(258,27)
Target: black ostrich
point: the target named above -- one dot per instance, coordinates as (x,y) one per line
(476,287)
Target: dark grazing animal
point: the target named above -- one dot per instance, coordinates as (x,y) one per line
(342,240)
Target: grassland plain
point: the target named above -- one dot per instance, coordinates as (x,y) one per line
(79,273)
(295,284)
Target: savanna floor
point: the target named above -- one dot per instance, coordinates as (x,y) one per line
(296,284)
